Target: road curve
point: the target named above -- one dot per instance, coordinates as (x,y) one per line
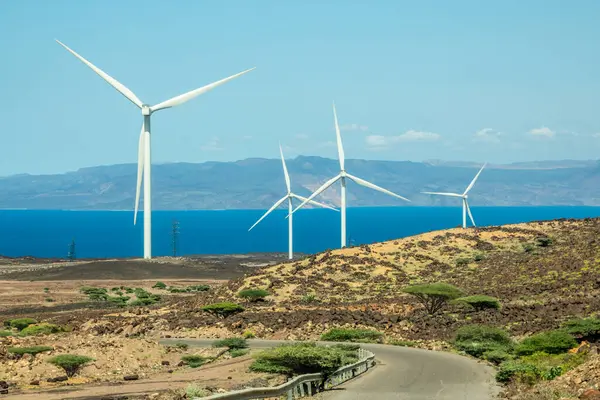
(404,373)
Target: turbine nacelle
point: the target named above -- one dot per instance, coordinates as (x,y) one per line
(146,110)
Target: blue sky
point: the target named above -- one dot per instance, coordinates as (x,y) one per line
(455,80)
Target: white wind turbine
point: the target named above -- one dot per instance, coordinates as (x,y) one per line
(144,159)
(289,197)
(464,197)
(342,178)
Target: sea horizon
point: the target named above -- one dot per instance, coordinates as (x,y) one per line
(111,233)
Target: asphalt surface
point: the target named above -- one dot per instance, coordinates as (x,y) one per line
(404,373)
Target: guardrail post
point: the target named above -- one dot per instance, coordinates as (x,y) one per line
(290,395)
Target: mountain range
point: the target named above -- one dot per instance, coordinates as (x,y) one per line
(257,183)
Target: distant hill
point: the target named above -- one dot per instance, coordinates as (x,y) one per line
(257,183)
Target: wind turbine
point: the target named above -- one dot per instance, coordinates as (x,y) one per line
(342,176)
(144,159)
(289,197)
(464,197)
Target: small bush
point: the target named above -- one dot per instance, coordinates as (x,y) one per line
(5,333)
(41,329)
(552,342)
(181,346)
(302,358)
(49,300)
(120,301)
(352,335)
(476,340)
(463,262)
(539,366)
(46,290)
(238,352)
(232,343)
(198,288)
(20,323)
(71,363)
(479,257)
(223,309)
(194,361)
(497,356)
(583,328)
(248,334)
(528,248)
(543,241)
(480,302)
(193,390)
(94,293)
(434,295)
(310,298)
(29,350)
(253,294)
(159,285)
(402,343)
(526,373)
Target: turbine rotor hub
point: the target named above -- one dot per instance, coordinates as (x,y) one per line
(146,110)
(343,173)
(465,196)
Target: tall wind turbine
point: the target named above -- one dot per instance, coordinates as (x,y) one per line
(342,176)
(144,159)
(464,197)
(289,197)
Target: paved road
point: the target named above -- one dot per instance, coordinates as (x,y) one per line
(406,374)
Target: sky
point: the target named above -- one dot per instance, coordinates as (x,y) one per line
(501,82)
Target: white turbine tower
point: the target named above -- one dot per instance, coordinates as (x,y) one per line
(144,159)
(342,176)
(464,197)
(289,197)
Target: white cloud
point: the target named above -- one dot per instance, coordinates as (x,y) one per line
(378,142)
(302,136)
(212,145)
(487,135)
(596,134)
(327,144)
(542,132)
(354,127)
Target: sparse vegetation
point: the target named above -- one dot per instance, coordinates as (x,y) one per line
(352,335)
(552,342)
(5,333)
(238,352)
(159,285)
(543,241)
(193,390)
(29,350)
(253,294)
(583,328)
(20,323)
(480,302)
(248,334)
(194,361)
(223,309)
(94,293)
(233,343)
(463,262)
(71,363)
(434,295)
(41,329)
(477,340)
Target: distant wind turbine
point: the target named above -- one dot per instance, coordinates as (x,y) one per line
(464,197)
(144,159)
(289,197)
(342,178)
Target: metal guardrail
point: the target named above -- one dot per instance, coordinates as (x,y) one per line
(303,385)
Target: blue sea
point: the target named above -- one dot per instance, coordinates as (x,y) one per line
(102,234)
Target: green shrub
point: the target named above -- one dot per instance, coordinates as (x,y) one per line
(94,293)
(480,302)
(525,373)
(238,352)
(49,300)
(159,285)
(402,343)
(539,366)
(434,295)
(253,294)
(198,288)
(232,343)
(479,257)
(543,241)
(41,329)
(20,323)
(223,309)
(552,342)
(194,361)
(193,390)
(115,289)
(302,358)
(71,363)
(248,334)
(310,298)
(120,301)
(463,262)
(181,346)
(583,328)
(46,290)
(497,356)
(29,350)
(476,340)
(528,248)
(5,333)
(352,335)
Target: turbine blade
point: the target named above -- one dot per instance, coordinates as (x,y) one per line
(314,203)
(277,204)
(375,187)
(317,192)
(112,81)
(474,179)
(140,171)
(443,194)
(469,211)
(175,101)
(285,171)
(339,140)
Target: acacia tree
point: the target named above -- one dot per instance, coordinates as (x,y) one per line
(434,295)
